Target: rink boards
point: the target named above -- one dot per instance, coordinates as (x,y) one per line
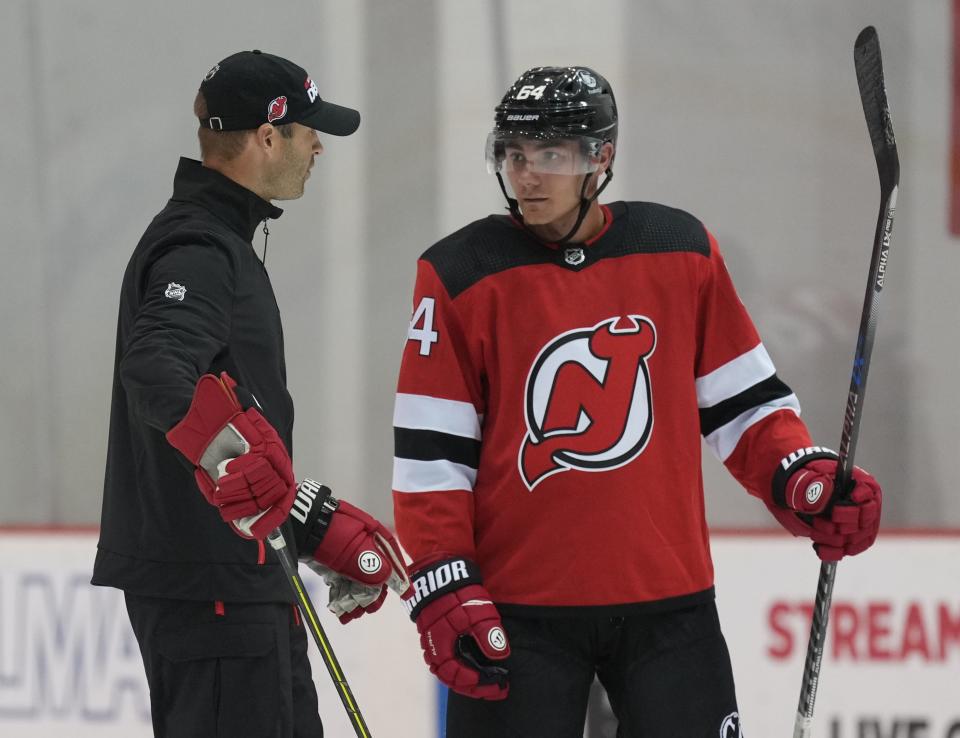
(69,663)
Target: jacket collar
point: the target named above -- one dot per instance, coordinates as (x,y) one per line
(238,207)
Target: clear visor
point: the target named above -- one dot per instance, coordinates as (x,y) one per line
(513,154)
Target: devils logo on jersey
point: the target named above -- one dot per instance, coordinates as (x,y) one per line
(730,728)
(588,403)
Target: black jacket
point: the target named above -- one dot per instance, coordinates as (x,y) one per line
(195,299)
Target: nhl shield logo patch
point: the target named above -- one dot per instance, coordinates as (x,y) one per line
(175,291)
(574,256)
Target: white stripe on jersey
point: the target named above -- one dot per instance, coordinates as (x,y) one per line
(420,412)
(410,475)
(734,377)
(725,438)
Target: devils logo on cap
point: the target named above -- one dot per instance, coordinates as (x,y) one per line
(277,108)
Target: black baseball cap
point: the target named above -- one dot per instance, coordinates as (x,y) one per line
(251,88)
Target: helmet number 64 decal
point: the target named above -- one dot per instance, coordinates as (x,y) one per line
(425,334)
(530,91)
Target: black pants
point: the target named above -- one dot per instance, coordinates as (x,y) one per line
(240,674)
(667,675)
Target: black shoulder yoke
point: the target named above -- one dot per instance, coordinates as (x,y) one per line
(495,244)
(656,229)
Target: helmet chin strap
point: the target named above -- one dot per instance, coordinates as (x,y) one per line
(585,203)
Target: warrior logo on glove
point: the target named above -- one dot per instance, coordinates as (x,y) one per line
(813,493)
(588,402)
(369,562)
(497,638)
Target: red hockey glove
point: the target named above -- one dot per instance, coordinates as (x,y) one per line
(242,466)
(460,629)
(806,504)
(354,553)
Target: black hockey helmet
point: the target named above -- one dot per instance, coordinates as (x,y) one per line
(556,103)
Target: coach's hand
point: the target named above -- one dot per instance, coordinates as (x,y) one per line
(806,504)
(241,464)
(355,554)
(348,598)
(461,633)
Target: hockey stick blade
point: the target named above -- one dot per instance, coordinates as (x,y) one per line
(873,95)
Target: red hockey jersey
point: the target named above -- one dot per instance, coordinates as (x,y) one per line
(551,403)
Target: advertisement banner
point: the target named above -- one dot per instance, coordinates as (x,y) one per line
(70,665)
(891,667)
(69,662)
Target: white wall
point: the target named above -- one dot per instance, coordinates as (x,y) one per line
(746,113)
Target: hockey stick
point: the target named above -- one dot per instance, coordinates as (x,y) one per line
(279,544)
(873,95)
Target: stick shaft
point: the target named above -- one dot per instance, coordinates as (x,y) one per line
(874,98)
(310,619)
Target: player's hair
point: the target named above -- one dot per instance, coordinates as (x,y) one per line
(225,145)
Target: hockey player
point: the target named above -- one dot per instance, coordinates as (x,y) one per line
(563,363)
(200,398)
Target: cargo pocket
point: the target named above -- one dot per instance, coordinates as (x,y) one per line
(220,679)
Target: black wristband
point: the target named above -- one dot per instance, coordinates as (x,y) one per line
(789,464)
(438,579)
(312,511)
